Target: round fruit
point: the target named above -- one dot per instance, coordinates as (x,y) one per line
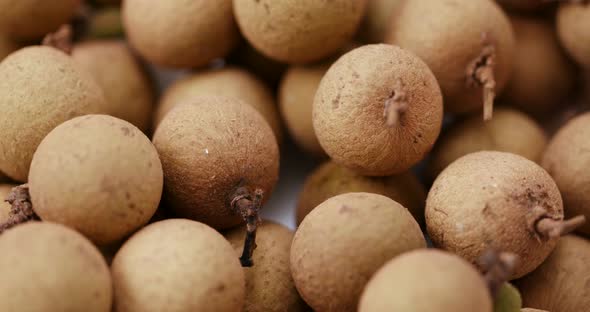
(378,110)
(426,280)
(126,85)
(378,19)
(561,282)
(5,206)
(177,33)
(495,200)
(41,87)
(7,46)
(269,285)
(32,19)
(48,267)
(97,174)
(177,265)
(330,179)
(469,47)
(298,31)
(508,299)
(342,242)
(573,22)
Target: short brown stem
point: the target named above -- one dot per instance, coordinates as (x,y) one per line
(395,105)
(551,228)
(248,205)
(497,268)
(480,73)
(21,210)
(61,39)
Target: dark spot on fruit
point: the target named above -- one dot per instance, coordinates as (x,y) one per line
(126,131)
(220,287)
(344,209)
(127,195)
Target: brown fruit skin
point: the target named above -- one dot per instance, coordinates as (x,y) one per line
(125,83)
(33,19)
(209,146)
(49,267)
(560,284)
(298,31)
(343,242)
(296,93)
(97,174)
(5,206)
(376,23)
(228,81)
(449,55)
(509,131)
(483,200)
(177,265)
(7,46)
(348,112)
(447,283)
(573,22)
(330,179)
(567,159)
(179,33)
(269,285)
(535,89)
(41,87)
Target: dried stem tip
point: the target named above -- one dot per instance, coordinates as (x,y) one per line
(21,210)
(497,268)
(61,39)
(480,73)
(395,105)
(551,228)
(248,205)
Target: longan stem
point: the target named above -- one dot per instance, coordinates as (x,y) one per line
(61,39)
(551,228)
(248,206)
(481,73)
(498,267)
(395,105)
(21,210)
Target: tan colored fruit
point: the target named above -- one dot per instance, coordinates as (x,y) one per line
(48,267)
(378,110)
(32,19)
(538,89)
(177,265)
(4,206)
(509,131)
(495,200)
(573,22)
(468,45)
(178,33)
(330,179)
(41,87)
(567,159)
(269,285)
(97,174)
(125,83)
(342,242)
(560,284)
(298,31)
(7,46)
(426,280)
(378,19)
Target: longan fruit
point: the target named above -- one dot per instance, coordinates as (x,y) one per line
(538,89)
(343,241)
(7,46)
(32,19)
(228,81)
(508,299)
(567,160)
(41,87)
(469,45)
(269,285)
(298,31)
(49,267)
(4,206)
(97,174)
(378,110)
(376,23)
(496,200)
(573,22)
(177,33)
(560,284)
(125,83)
(426,280)
(509,131)
(330,179)
(177,265)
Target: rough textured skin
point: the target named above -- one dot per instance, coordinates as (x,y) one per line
(177,265)
(97,174)
(209,146)
(125,83)
(228,81)
(343,242)
(330,179)
(298,31)
(296,93)
(33,19)
(7,46)
(49,267)
(560,284)
(376,23)
(180,33)
(4,206)
(523,5)
(449,55)
(447,283)
(573,22)
(509,131)
(484,200)
(348,112)
(41,87)
(567,159)
(533,88)
(508,299)
(269,285)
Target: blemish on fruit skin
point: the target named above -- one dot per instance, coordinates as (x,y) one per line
(206,151)
(344,209)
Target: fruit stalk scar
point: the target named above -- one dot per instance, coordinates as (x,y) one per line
(497,268)
(547,227)
(480,73)
(395,105)
(21,210)
(61,39)
(248,205)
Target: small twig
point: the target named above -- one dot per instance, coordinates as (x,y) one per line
(547,227)
(248,206)
(480,73)
(497,267)
(395,105)
(61,39)
(21,210)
